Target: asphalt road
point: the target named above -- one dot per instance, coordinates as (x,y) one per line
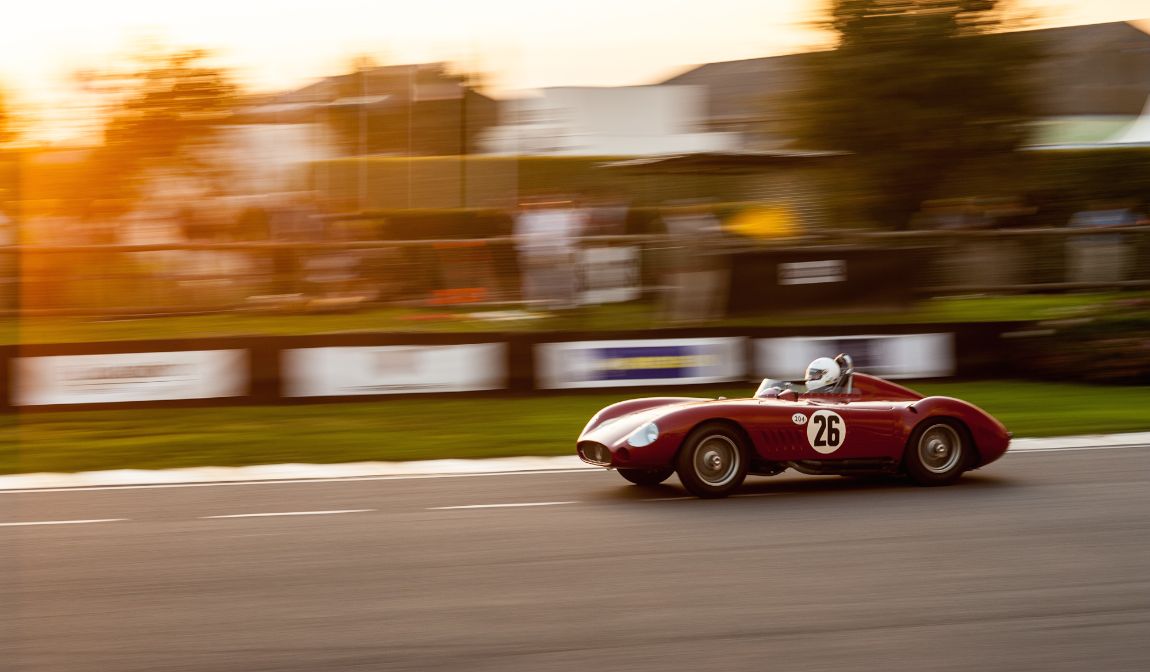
(1039,562)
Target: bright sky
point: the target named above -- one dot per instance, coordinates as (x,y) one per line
(521,44)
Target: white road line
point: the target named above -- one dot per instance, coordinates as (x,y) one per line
(64,522)
(497,506)
(293,481)
(1062,449)
(288,513)
(8,488)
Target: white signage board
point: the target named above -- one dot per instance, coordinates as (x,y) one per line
(129,377)
(393,369)
(886,355)
(608,274)
(812,272)
(628,363)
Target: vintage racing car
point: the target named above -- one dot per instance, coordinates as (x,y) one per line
(836,421)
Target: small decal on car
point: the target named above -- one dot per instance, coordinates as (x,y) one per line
(799,419)
(826,432)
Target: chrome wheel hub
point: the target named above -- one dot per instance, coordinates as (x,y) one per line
(716,460)
(940,449)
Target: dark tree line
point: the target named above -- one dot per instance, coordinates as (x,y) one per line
(917,91)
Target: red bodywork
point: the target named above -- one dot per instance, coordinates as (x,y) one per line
(874,424)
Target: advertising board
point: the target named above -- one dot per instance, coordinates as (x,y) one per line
(885,355)
(626,363)
(129,377)
(393,369)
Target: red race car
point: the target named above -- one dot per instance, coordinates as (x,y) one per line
(835,421)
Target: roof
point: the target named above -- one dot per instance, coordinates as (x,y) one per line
(1096,69)
(391,85)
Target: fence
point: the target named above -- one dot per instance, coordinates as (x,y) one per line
(343,367)
(217,277)
(1025,260)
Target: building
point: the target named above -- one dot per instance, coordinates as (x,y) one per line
(607,121)
(1092,83)
(397,110)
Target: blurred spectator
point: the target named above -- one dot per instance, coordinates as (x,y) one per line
(950,214)
(8,238)
(291,218)
(7,226)
(993,261)
(335,278)
(252,223)
(607,213)
(607,271)
(698,267)
(209,277)
(546,237)
(295,217)
(1009,212)
(1103,258)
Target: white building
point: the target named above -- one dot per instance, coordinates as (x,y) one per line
(607,121)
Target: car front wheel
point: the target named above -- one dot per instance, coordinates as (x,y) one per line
(647,476)
(713,461)
(938,452)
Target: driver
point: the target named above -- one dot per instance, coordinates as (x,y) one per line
(823,375)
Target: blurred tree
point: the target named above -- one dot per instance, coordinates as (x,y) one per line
(7,125)
(915,89)
(161,115)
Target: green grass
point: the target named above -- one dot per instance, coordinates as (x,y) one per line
(601,318)
(412,429)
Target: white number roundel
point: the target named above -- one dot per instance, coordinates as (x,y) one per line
(826,431)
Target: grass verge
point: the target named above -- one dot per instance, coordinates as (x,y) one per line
(416,429)
(599,318)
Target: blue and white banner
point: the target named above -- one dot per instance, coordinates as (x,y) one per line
(632,363)
(885,355)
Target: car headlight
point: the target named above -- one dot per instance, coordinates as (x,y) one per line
(644,436)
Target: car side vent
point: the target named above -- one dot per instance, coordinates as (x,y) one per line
(779,440)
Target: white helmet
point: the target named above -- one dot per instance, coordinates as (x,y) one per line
(821,373)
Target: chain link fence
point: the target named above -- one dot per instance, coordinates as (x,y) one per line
(219,277)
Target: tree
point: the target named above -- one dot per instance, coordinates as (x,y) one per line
(162,114)
(917,90)
(7,125)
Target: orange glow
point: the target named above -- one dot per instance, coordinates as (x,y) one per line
(518,43)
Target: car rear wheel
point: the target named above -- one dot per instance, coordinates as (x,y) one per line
(713,461)
(647,476)
(938,452)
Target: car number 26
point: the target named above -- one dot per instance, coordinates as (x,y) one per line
(826,431)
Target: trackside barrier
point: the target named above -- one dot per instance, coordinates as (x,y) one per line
(346,367)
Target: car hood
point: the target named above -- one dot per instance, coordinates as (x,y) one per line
(616,429)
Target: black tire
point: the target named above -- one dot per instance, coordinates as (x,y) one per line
(938,451)
(647,476)
(713,461)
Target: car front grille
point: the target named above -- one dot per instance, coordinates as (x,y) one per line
(594,453)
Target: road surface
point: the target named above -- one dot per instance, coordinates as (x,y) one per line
(1039,562)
